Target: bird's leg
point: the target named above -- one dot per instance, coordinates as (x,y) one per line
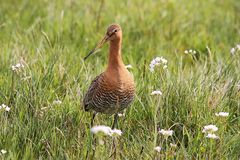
(93,141)
(114,148)
(115,121)
(93,116)
(116,114)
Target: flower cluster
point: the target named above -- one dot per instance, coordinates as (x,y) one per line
(158,148)
(212,136)
(57,102)
(209,129)
(3,106)
(222,114)
(235,49)
(173,145)
(3,151)
(190,51)
(156,93)
(106,130)
(121,114)
(18,67)
(158,61)
(166,133)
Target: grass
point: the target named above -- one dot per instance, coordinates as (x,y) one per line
(52,37)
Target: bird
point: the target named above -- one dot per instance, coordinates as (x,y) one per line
(113,90)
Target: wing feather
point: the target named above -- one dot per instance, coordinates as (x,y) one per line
(90,93)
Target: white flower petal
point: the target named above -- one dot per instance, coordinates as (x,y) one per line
(212,136)
(232,51)
(116,132)
(166,132)
(158,148)
(7,109)
(57,102)
(238,46)
(3,151)
(156,92)
(121,115)
(104,129)
(173,145)
(222,114)
(210,128)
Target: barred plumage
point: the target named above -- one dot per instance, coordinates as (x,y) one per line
(104,99)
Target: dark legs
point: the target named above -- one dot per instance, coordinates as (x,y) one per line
(114,125)
(114,145)
(94,115)
(93,140)
(115,121)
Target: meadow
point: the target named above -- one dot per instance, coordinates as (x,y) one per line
(43,78)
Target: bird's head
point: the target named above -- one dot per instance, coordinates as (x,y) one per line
(114,32)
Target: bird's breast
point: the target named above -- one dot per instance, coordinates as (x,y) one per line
(115,92)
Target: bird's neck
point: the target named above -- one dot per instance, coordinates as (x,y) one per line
(114,57)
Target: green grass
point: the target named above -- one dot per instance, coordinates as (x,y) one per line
(52,37)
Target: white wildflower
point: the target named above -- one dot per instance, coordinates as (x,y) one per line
(106,130)
(212,136)
(3,106)
(165,67)
(164,61)
(17,67)
(158,61)
(173,145)
(156,92)
(222,114)
(3,151)
(7,109)
(210,128)
(166,132)
(151,69)
(121,114)
(116,132)
(57,102)
(235,49)
(190,51)
(129,66)
(232,51)
(158,148)
(238,46)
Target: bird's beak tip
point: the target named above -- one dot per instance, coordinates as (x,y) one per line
(99,45)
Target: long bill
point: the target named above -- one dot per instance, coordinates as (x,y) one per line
(99,45)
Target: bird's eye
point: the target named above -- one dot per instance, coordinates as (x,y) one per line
(115,30)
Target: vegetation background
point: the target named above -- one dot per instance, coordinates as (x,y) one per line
(51,38)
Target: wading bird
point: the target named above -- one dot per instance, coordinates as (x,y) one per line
(113,90)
